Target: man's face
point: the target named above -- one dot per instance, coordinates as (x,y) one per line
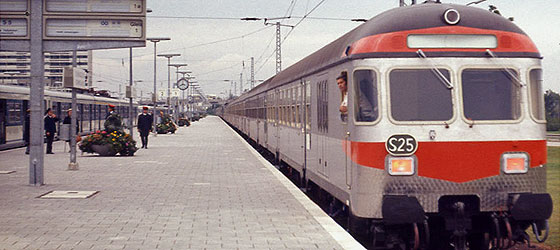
(50,112)
(145,111)
(342,84)
(70,113)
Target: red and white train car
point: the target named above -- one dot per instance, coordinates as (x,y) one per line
(444,134)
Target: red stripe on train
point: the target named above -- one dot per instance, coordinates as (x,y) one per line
(453,161)
(397,41)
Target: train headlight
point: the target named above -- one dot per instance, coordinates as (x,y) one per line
(400,165)
(515,163)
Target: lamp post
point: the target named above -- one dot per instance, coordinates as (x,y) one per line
(168,56)
(155,40)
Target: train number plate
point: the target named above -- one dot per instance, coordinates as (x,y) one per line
(401,145)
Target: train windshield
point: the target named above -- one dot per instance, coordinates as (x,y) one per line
(490,94)
(419,95)
(365,83)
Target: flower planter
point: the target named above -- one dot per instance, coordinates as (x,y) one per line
(104,150)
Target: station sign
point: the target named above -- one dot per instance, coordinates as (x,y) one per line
(88,28)
(14,6)
(130,92)
(15,27)
(161,94)
(73,77)
(95,7)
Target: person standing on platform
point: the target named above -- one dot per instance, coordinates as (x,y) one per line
(26,131)
(111,111)
(145,126)
(68,120)
(50,128)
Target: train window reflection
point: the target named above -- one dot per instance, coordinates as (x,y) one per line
(366,103)
(15,113)
(418,95)
(537,100)
(490,94)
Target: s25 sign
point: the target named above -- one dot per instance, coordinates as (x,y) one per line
(401,145)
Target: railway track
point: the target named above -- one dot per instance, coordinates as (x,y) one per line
(553,137)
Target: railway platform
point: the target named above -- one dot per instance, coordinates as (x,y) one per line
(201,188)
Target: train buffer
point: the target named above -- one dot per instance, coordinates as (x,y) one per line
(202,187)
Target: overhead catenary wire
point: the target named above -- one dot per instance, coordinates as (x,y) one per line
(286,36)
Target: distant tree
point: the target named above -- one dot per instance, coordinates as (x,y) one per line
(552,104)
(552,110)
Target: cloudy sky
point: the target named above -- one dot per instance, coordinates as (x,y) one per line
(217,46)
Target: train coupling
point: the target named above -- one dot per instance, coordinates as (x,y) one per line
(532,210)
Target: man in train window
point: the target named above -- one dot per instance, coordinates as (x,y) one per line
(341,80)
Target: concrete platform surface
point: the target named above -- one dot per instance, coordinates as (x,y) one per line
(201,188)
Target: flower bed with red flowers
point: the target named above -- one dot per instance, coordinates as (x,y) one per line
(120,142)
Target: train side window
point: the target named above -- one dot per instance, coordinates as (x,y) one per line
(15,113)
(536,94)
(418,95)
(490,94)
(366,103)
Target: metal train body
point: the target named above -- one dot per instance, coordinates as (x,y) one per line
(91,111)
(473,145)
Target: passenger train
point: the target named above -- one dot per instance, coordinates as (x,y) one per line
(443,145)
(14,101)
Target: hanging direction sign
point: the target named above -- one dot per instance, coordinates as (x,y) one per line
(95,7)
(14,6)
(14,28)
(94,29)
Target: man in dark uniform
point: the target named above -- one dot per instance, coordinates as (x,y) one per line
(26,131)
(50,128)
(144,126)
(111,111)
(68,120)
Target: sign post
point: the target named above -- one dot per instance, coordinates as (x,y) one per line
(39,26)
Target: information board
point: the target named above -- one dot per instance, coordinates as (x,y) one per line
(14,6)
(73,77)
(94,29)
(93,7)
(14,27)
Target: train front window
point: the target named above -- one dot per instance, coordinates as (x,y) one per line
(536,92)
(419,95)
(490,94)
(366,104)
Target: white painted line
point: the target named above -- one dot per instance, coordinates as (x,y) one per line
(68,194)
(338,233)
(200,184)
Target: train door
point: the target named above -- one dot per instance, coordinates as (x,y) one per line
(322,123)
(277,122)
(305,121)
(266,118)
(346,132)
(2,121)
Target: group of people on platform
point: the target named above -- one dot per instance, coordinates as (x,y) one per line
(144,126)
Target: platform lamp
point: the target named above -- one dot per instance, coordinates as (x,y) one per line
(155,40)
(169,56)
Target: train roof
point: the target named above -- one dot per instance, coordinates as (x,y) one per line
(23,92)
(385,35)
